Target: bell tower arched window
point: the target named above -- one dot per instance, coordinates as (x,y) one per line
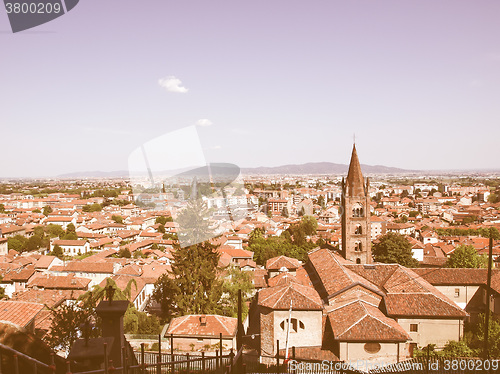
(358,211)
(358,230)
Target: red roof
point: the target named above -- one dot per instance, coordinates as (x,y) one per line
(279,297)
(359,321)
(203,325)
(19,312)
(277,263)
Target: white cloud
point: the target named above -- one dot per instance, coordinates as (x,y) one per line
(172,84)
(204,122)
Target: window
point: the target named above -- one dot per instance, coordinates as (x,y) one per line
(372,347)
(295,324)
(457,292)
(358,261)
(358,230)
(413,327)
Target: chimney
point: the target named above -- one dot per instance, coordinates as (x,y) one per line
(203,320)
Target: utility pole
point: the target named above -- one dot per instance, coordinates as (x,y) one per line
(239,331)
(488,293)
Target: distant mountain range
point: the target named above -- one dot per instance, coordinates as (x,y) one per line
(292,169)
(324,168)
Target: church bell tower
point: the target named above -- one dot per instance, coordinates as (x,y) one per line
(355,203)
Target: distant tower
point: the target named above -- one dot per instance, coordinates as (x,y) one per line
(356,235)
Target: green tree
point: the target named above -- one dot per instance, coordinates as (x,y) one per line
(475,336)
(18,243)
(192,286)
(466,256)
(394,248)
(68,318)
(457,349)
(117,218)
(284,212)
(92,208)
(34,243)
(65,326)
(235,280)
(47,210)
(162,220)
(54,230)
(70,233)
(124,252)
(57,251)
(194,223)
(136,322)
(494,198)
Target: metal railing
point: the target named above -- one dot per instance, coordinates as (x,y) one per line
(15,362)
(19,363)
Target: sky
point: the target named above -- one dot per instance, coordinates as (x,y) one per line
(264,83)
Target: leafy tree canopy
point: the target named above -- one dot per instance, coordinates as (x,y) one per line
(236,280)
(466,256)
(394,248)
(117,218)
(192,286)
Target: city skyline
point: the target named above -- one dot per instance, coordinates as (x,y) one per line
(265,84)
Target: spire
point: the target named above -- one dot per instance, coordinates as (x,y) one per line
(355,182)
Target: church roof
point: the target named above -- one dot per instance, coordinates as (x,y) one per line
(359,321)
(355,183)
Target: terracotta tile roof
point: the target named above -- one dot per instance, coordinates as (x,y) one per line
(44,262)
(495,282)
(235,252)
(279,297)
(155,269)
(203,325)
(85,267)
(130,269)
(43,322)
(277,263)
(19,275)
(249,263)
(51,298)
(453,276)
(285,278)
(58,219)
(333,273)
(19,312)
(359,321)
(259,278)
(69,282)
(421,305)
